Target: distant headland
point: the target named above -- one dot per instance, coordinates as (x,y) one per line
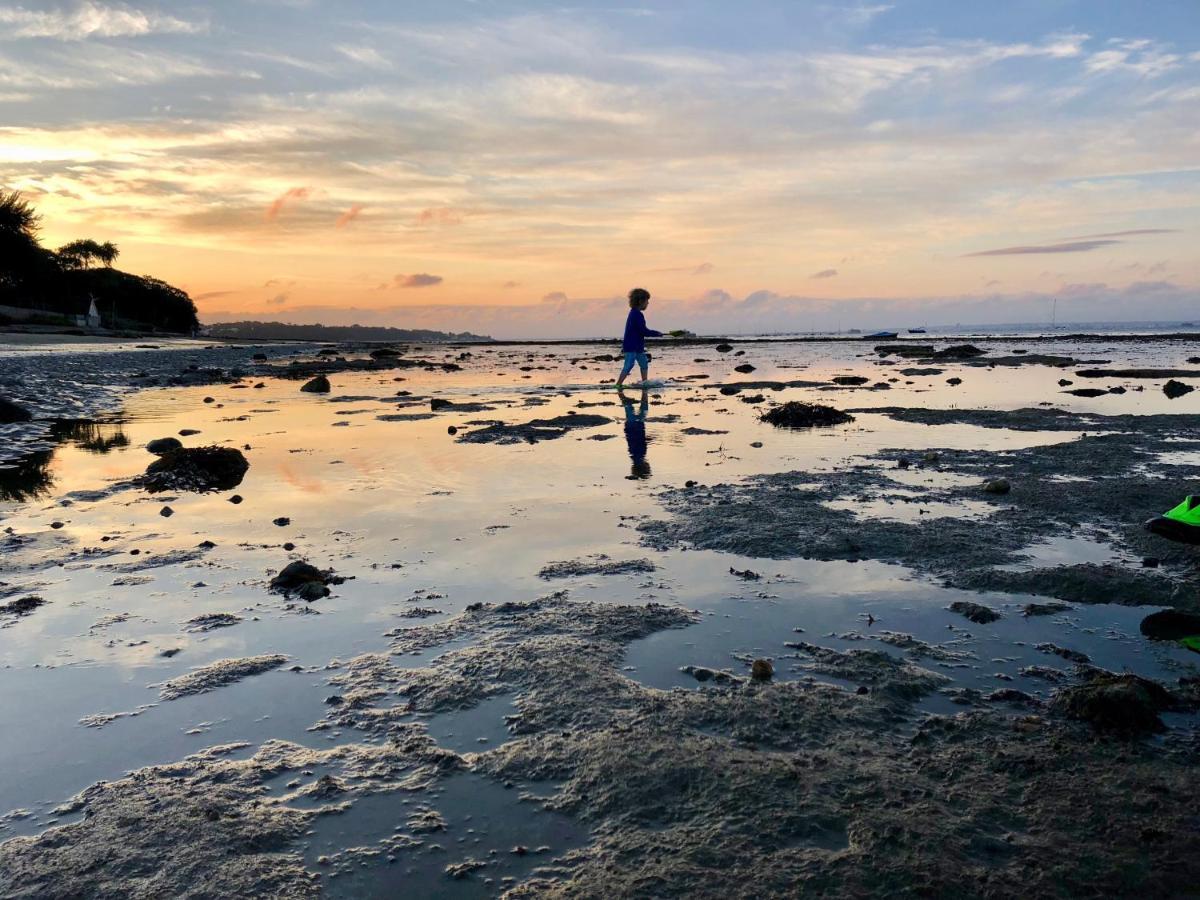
(283,331)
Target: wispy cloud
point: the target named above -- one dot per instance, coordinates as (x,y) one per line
(1067,247)
(276,207)
(90,20)
(349,216)
(703,268)
(824,273)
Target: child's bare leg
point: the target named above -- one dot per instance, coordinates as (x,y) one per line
(645,374)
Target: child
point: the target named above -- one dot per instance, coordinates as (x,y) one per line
(636,332)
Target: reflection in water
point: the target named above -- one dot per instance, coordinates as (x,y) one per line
(29,477)
(635,435)
(97,437)
(26,478)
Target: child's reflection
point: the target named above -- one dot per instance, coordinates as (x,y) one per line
(635,434)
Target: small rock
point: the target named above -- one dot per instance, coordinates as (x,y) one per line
(1150,562)
(1175,389)
(166,512)
(452,430)
(761,670)
(282,521)
(210,399)
(744,368)
(437,403)
(975,612)
(289,546)
(11,412)
(745,574)
(159,446)
(724,348)
(56,525)
(997,486)
(954,381)
(756,444)
(236,499)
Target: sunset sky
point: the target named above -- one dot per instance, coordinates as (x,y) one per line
(514,168)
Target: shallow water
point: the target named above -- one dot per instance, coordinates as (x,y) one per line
(415,518)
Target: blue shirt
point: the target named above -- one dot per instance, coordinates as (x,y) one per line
(636,333)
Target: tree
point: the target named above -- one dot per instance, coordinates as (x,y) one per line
(17,216)
(80,254)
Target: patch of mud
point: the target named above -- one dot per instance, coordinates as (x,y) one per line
(788,515)
(600,564)
(218,674)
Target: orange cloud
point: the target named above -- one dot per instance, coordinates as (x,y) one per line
(276,207)
(418,280)
(349,216)
(441,215)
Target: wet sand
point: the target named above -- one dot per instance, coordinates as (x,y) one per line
(537,676)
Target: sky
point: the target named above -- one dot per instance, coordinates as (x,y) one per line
(515,168)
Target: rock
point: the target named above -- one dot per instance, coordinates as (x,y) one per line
(452,430)
(689,483)
(318,385)
(188,432)
(1087,392)
(1116,390)
(1066,653)
(206,545)
(959,351)
(1175,389)
(159,446)
(1012,695)
(384,353)
(1043,609)
(850,380)
(795,414)
(903,463)
(724,348)
(297,574)
(437,403)
(745,574)
(1170,625)
(997,486)
(752,398)
(757,445)
(166,512)
(11,412)
(289,546)
(744,368)
(1126,704)
(1065,382)
(976,612)
(762,670)
(210,399)
(954,381)
(282,521)
(196,469)
(1150,562)
(259,357)
(236,499)
(912,373)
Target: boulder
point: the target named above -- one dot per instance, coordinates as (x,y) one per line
(196,469)
(1125,704)
(744,368)
(305,580)
(11,412)
(1170,625)
(850,380)
(997,486)
(318,385)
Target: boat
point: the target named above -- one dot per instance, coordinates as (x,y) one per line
(881,336)
(916,331)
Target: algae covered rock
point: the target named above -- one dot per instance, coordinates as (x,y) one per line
(795,414)
(11,412)
(1123,704)
(159,446)
(305,580)
(198,469)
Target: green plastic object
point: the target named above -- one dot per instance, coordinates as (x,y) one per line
(1187,512)
(1192,642)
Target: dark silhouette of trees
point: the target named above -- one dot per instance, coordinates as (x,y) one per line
(65,282)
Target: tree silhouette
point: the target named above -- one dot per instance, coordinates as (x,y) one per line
(17,215)
(82,253)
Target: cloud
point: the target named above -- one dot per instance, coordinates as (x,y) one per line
(210,295)
(1068,247)
(349,216)
(276,207)
(555,297)
(443,215)
(702,269)
(365,56)
(278,300)
(1136,231)
(508,285)
(419,280)
(824,273)
(90,20)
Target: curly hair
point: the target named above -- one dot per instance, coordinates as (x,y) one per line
(638,296)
